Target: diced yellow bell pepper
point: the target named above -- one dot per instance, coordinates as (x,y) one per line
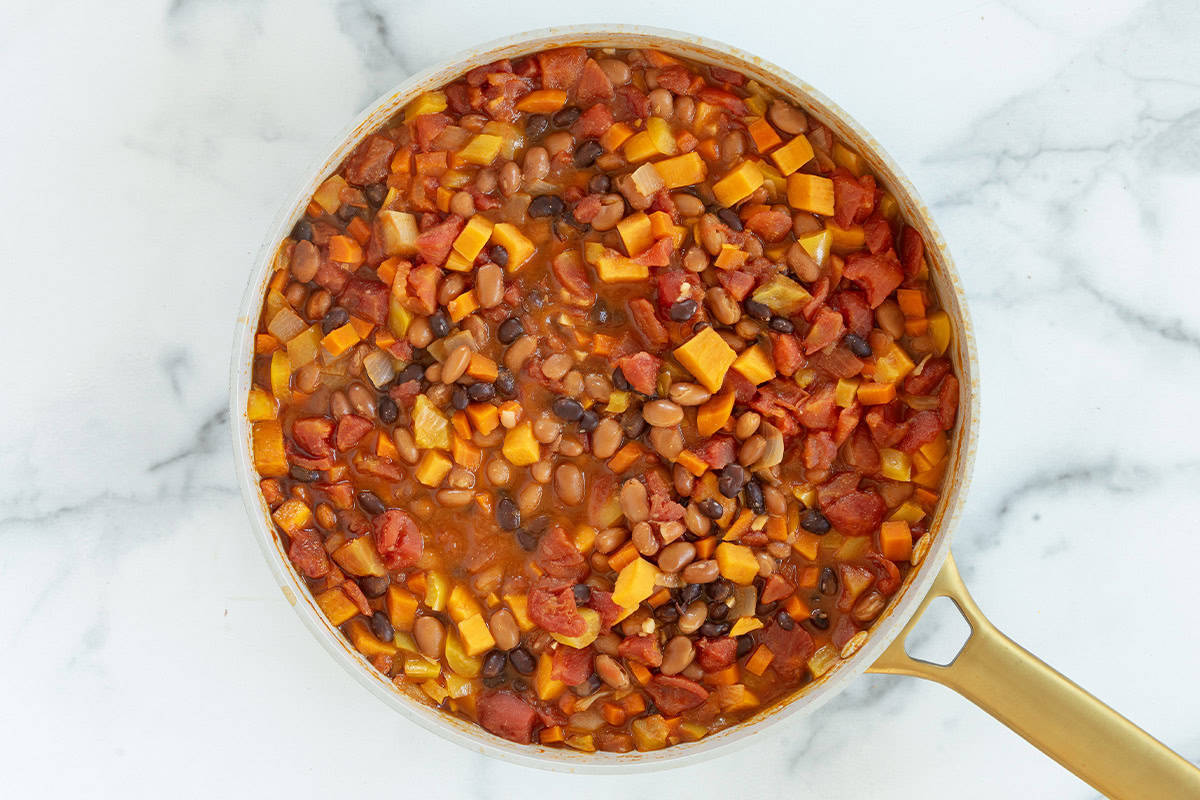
(895,465)
(736,697)
(336,605)
(399,317)
(547,688)
(737,563)
(685,170)
(592,619)
(399,232)
(482,149)
(810,193)
(931,478)
(845,157)
(818,245)
(655,140)
(936,449)
(462,604)
(359,558)
(427,103)
(793,155)
(618,401)
(846,392)
(908,511)
(457,262)
(892,365)
(436,692)
(739,184)
(782,295)
(745,625)
(437,590)
(421,668)
(845,240)
(520,447)
(401,607)
(459,659)
(270,459)
(940,330)
(433,468)
(635,583)
(430,428)
(329,194)
(304,347)
(517,244)
(458,685)
(707,357)
(635,233)
(755,364)
(519,605)
(650,733)
(260,406)
(281,376)
(616,268)
(474,236)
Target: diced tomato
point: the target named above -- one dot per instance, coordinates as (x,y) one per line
(674,694)
(635,100)
(843,631)
(948,402)
(715,654)
(507,716)
(658,254)
(855,311)
(675,79)
(819,451)
(593,123)
(331,275)
(727,76)
(670,287)
(422,289)
(429,127)
(786,352)
(855,581)
(308,554)
(367,299)
(878,234)
(856,514)
(561,68)
(378,466)
(341,494)
(912,250)
(847,421)
(826,329)
(820,410)
(643,647)
(456,98)
(861,452)
(820,292)
(433,244)
(769,224)
(776,588)
(646,323)
(718,452)
(877,275)
(930,376)
(357,597)
(726,100)
(594,85)
(923,428)
(557,556)
(743,388)
(570,271)
(369,161)
(571,666)
(837,487)
(736,282)
(350,431)
(586,209)
(838,362)
(602,603)
(314,434)
(853,198)
(792,648)
(641,369)
(885,428)
(552,607)
(887,574)
(397,539)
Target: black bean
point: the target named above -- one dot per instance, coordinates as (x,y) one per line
(510,330)
(527,540)
(388,411)
(819,618)
(303,475)
(371,503)
(858,345)
(717,610)
(334,318)
(582,592)
(520,685)
(439,323)
(499,255)
(701,325)
(781,325)
(539,524)
(632,423)
(618,379)
(732,479)
(508,516)
(536,126)
(546,205)
(302,230)
(569,218)
(730,218)
(599,314)
(829,581)
(481,392)
(720,589)
(683,310)
(711,628)
(413,372)
(588,421)
(566,117)
(814,521)
(495,682)
(373,585)
(567,408)
(347,213)
(522,660)
(666,613)
(494,663)
(745,643)
(460,399)
(690,593)
(505,383)
(754,497)
(757,310)
(588,687)
(711,508)
(586,153)
(784,619)
(599,183)
(376,193)
(381,626)
(765,610)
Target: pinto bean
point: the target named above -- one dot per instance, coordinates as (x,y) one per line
(677,655)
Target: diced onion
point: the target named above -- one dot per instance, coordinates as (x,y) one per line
(286,325)
(380,368)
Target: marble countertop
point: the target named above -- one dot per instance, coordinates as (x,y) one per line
(147,145)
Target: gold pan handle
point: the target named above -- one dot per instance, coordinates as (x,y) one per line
(1066,723)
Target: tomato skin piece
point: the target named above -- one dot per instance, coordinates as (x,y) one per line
(557,556)
(552,607)
(397,538)
(308,554)
(948,402)
(930,377)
